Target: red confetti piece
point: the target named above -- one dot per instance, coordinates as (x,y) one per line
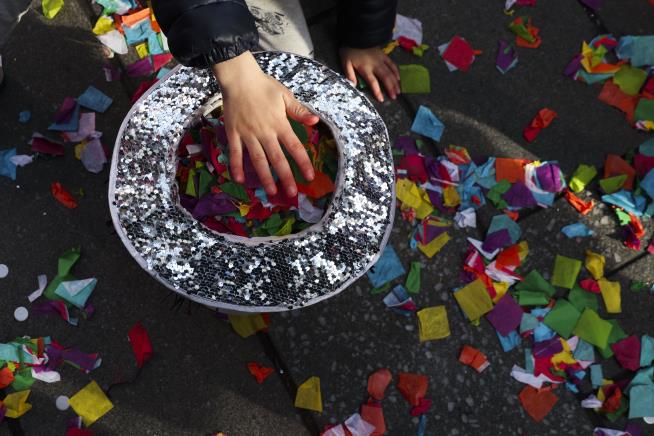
(64,197)
(537,402)
(413,387)
(543,119)
(141,345)
(378,382)
(260,373)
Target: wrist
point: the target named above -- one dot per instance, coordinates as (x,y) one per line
(236,70)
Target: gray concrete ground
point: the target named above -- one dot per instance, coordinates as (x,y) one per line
(198,382)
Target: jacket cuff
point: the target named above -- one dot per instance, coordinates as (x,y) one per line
(213,33)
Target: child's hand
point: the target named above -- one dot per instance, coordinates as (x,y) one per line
(374,66)
(255,107)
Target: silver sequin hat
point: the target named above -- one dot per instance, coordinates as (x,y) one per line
(252,274)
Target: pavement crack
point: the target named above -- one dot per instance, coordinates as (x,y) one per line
(287,380)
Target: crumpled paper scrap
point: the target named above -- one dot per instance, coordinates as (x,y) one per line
(543,119)
(473,358)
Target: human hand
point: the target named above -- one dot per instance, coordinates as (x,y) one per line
(374,66)
(255,107)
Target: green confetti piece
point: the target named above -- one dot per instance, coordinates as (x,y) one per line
(412,283)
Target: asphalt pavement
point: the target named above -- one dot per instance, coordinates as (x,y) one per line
(197,382)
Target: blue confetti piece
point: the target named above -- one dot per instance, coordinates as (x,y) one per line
(627,201)
(422,425)
(70,126)
(577,230)
(596,376)
(426,124)
(24,116)
(584,351)
(510,341)
(500,222)
(387,268)
(154,47)
(162,72)
(139,32)
(648,183)
(7,167)
(94,99)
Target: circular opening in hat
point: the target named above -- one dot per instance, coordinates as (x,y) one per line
(207,191)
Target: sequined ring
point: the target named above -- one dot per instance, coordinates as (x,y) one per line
(256,274)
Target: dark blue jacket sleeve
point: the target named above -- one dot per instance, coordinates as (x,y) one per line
(365,23)
(202,33)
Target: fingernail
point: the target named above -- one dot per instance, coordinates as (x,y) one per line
(291,192)
(272,190)
(310,174)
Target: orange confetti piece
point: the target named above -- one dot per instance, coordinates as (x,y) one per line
(320,186)
(512,170)
(537,402)
(583,207)
(132,19)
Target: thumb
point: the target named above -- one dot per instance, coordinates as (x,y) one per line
(299,112)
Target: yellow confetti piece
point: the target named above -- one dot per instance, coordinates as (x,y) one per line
(435,245)
(611,295)
(247,325)
(595,264)
(104,25)
(308,395)
(415,198)
(390,47)
(90,403)
(79,148)
(51,7)
(244,209)
(408,193)
(587,54)
(16,404)
(425,209)
(474,300)
(451,197)
(523,250)
(142,50)
(564,356)
(600,394)
(500,290)
(286,228)
(433,323)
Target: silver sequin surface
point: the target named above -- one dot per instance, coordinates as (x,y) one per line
(257,274)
